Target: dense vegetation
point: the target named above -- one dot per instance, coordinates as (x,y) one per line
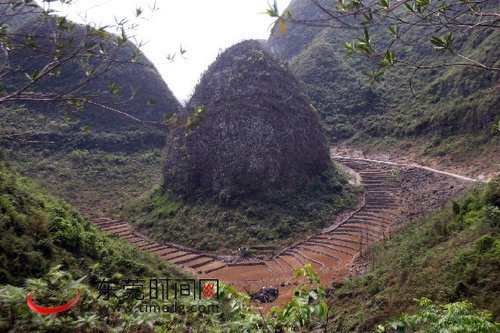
(40,235)
(38,232)
(97,161)
(444,113)
(434,257)
(230,312)
(450,255)
(453,317)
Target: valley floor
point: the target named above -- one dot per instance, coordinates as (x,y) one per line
(393,195)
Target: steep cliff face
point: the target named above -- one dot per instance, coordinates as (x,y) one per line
(258,133)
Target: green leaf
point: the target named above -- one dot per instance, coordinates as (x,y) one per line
(322,311)
(384,3)
(30,42)
(373,76)
(114,89)
(437,41)
(272,11)
(410,8)
(103,33)
(89,45)
(443,42)
(368,18)
(61,22)
(389,57)
(123,38)
(33,76)
(394,30)
(102,48)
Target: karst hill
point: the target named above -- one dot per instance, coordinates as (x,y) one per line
(435,116)
(258,133)
(121,77)
(254,170)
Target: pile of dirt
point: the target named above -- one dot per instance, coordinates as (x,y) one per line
(423,191)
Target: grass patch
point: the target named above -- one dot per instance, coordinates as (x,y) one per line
(223,224)
(97,172)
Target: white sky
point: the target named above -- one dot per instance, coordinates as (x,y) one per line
(202,27)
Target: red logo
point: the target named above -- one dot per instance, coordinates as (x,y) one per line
(57,309)
(208,290)
(53,310)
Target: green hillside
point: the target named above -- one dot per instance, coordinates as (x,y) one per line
(45,245)
(441,113)
(449,255)
(243,172)
(94,158)
(38,232)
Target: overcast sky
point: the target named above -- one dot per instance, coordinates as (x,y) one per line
(202,27)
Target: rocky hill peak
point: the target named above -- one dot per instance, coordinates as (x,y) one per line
(259,133)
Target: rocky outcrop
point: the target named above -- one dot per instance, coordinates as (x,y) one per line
(267,294)
(258,132)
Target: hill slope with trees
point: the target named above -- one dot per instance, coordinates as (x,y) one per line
(77,149)
(449,255)
(39,232)
(444,115)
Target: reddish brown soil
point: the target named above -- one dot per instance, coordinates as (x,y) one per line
(393,194)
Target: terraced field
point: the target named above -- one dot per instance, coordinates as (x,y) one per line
(330,252)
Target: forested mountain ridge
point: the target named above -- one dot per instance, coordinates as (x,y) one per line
(70,150)
(439,115)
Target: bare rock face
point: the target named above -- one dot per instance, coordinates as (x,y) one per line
(267,294)
(258,134)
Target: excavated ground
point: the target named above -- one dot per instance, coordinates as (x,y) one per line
(394,194)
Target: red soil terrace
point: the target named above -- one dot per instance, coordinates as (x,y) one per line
(330,252)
